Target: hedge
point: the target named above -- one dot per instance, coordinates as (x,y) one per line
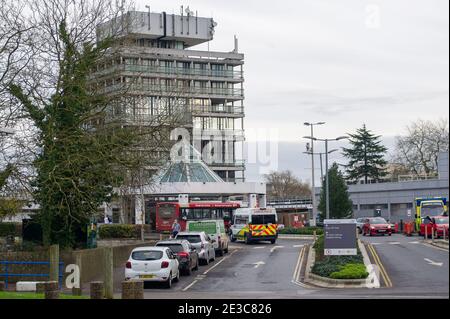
(325,266)
(351,271)
(301,231)
(121,231)
(10,229)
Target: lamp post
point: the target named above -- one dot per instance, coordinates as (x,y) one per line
(321,164)
(314,210)
(327,184)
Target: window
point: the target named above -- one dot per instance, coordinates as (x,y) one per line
(263,219)
(191,238)
(240,220)
(147,255)
(176,248)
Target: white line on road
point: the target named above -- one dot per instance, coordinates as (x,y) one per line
(433,263)
(193,283)
(298,246)
(259,263)
(375,244)
(414,242)
(221,261)
(275,248)
(394,243)
(260,247)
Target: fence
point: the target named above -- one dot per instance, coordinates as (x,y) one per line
(7,274)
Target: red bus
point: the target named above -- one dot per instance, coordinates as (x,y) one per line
(166,213)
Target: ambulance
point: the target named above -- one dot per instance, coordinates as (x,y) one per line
(254,224)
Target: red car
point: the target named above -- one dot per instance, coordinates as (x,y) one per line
(376,226)
(437,224)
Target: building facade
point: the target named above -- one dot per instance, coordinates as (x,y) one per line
(156,70)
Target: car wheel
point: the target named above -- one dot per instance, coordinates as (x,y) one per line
(168,283)
(188,271)
(247,240)
(177,278)
(233,239)
(220,252)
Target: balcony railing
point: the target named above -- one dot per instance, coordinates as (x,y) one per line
(173,71)
(174,90)
(235,164)
(226,109)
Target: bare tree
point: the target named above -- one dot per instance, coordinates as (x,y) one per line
(284,185)
(418,151)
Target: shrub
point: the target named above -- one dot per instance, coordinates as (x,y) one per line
(350,271)
(302,231)
(121,231)
(10,229)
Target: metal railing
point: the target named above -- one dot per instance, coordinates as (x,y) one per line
(173,90)
(7,274)
(172,71)
(228,109)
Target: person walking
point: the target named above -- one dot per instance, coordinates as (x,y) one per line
(176,227)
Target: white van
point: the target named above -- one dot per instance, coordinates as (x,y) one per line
(255,224)
(214,229)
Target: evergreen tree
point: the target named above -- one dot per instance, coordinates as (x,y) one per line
(341,206)
(366,156)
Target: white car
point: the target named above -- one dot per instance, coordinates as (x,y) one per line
(153,264)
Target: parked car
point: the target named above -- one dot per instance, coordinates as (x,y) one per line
(438,225)
(376,226)
(186,254)
(153,264)
(215,229)
(202,243)
(360,224)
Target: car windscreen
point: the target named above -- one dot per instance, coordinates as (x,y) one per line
(431,210)
(166,211)
(147,255)
(193,239)
(441,220)
(377,221)
(263,219)
(176,248)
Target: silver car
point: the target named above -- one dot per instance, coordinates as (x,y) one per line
(202,243)
(360,223)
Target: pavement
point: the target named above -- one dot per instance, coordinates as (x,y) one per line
(264,271)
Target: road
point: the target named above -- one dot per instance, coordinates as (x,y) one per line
(268,271)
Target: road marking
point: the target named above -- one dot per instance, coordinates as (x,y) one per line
(414,242)
(394,243)
(260,247)
(434,263)
(218,263)
(376,244)
(193,283)
(386,278)
(259,263)
(298,246)
(275,248)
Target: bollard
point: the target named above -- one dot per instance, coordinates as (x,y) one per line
(426,233)
(109,273)
(432,235)
(2,286)
(40,287)
(51,290)
(97,290)
(128,290)
(76,291)
(138,289)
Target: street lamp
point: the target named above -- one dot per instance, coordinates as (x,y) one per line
(314,210)
(321,162)
(327,186)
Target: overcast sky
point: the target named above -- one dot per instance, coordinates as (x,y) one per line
(380,62)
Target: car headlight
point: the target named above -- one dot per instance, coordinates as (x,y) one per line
(371,227)
(389,227)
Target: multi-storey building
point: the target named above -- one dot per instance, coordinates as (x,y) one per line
(155,60)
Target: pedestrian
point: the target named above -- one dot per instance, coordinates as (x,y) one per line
(175,228)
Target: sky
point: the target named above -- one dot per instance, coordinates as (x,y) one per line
(383,63)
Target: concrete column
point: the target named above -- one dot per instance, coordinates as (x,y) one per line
(54,263)
(109,273)
(97,290)
(51,290)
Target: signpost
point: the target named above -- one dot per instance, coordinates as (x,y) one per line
(340,237)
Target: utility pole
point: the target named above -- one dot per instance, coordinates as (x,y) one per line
(327,190)
(313,185)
